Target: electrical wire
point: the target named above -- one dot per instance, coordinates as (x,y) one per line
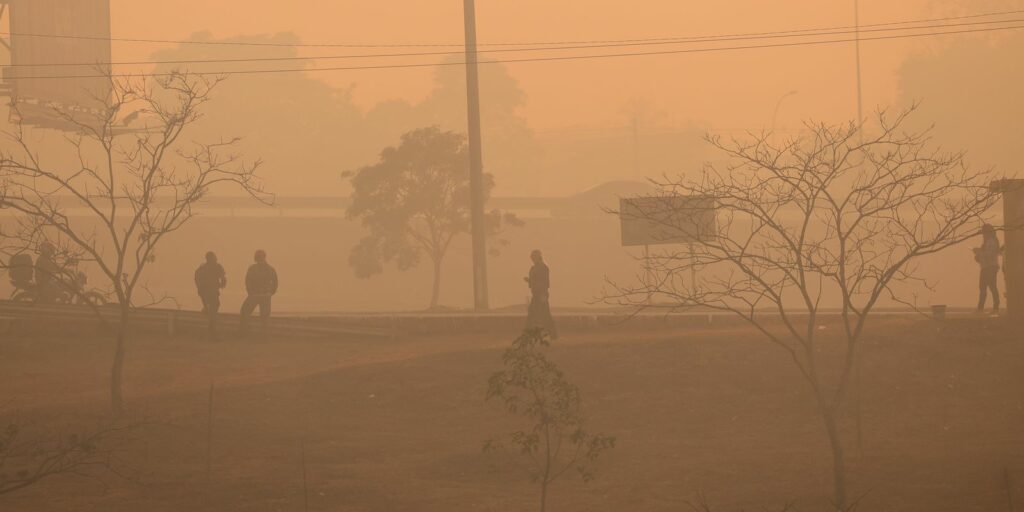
(529,59)
(554,48)
(534,43)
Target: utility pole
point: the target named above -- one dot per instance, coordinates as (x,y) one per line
(858,362)
(856,23)
(476,163)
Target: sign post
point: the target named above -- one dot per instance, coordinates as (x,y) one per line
(666,220)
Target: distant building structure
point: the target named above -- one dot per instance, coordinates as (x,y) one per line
(59,57)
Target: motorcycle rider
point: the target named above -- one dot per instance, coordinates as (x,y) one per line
(47,273)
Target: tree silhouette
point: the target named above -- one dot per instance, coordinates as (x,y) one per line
(511,149)
(833,217)
(135,180)
(414,202)
(291,120)
(557,442)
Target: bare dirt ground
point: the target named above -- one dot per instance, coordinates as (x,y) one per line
(399,426)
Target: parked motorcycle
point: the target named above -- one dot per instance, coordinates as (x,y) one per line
(59,291)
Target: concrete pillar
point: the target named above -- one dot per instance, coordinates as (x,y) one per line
(1013,258)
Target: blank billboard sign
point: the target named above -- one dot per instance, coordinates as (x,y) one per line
(666,220)
(60,32)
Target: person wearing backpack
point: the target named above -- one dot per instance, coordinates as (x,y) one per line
(210,279)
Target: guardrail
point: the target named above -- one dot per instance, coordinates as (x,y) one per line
(380,326)
(171,322)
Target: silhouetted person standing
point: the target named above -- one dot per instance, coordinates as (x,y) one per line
(539,313)
(987,257)
(261,285)
(210,280)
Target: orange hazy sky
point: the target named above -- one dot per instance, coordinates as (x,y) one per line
(725,90)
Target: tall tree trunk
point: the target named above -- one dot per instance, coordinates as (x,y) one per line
(838,459)
(116,371)
(436,295)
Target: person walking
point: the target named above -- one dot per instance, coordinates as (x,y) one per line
(987,257)
(261,285)
(210,279)
(539,281)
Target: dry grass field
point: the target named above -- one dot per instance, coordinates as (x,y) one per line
(399,425)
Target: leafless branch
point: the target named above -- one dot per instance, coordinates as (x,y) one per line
(836,217)
(130,188)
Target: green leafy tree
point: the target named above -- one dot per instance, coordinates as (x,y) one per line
(414,201)
(535,388)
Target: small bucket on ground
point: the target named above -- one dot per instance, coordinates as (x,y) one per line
(939,311)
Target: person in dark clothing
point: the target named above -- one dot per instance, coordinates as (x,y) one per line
(539,281)
(987,257)
(261,285)
(210,279)
(47,274)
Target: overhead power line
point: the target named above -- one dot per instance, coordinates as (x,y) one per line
(509,50)
(535,59)
(532,43)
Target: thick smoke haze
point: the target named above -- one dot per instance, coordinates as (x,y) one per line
(643,256)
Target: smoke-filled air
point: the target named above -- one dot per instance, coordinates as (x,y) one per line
(533,256)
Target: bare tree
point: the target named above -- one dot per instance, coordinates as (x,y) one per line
(134,184)
(834,218)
